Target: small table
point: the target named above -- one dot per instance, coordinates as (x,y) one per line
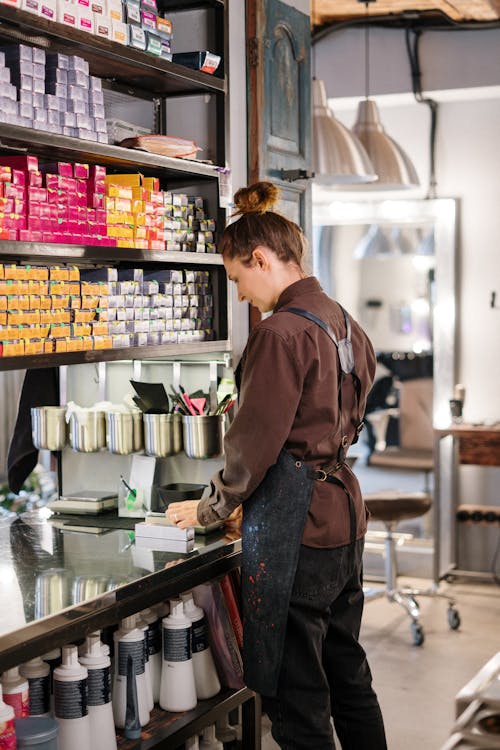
(477,445)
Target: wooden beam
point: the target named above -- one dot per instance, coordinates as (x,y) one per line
(328,11)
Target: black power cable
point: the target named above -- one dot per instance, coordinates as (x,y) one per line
(412,47)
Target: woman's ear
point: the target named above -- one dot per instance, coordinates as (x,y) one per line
(261,258)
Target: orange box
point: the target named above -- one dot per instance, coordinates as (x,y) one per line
(103,342)
(2,272)
(91,288)
(74,273)
(73,345)
(14,302)
(45,302)
(89,302)
(59,302)
(100,328)
(87,343)
(15,272)
(58,273)
(60,345)
(129,180)
(117,191)
(75,302)
(39,273)
(83,316)
(48,346)
(13,348)
(3,318)
(151,183)
(59,331)
(34,346)
(81,329)
(3,303)
(23,318)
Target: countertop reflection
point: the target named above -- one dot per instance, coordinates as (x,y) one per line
(46,569)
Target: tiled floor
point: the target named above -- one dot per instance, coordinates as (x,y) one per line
(417,685)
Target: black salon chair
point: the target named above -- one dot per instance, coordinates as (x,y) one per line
(392,506)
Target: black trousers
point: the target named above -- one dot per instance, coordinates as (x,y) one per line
(324,671)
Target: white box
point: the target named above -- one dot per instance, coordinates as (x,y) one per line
(30,6)
(163,531)
(119,32)
(47,9)
(85,19)
(164,545)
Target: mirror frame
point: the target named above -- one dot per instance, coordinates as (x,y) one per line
(442,214)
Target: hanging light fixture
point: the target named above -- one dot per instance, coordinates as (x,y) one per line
(338,156)
(393,166)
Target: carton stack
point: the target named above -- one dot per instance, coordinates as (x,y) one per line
(60,202)
(51,92)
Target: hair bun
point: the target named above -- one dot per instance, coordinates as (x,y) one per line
(257,198)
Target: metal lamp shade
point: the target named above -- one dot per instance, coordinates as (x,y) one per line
(394,168)
(338,156)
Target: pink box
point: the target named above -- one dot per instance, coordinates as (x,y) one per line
(81,200)
(26,163)
(49,237)
(97,172)
(82,171)
(14,191)
(81,186)
(46,225)
(37,194)
(91,214)
(34,223)
(46,210)
(7,206)
(19,177)
(97,200)
(35,179)
(27,235)
(72,213)
(20,207)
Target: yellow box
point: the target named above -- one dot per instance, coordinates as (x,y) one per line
(58,273)
(3,318)
(13,348)
(125,243)
(89,302)
(83,316)
(59,331)
(61,345)
(81,329)
(87,343)
(33,346)
(129,180)
(75,302)
(117,191)
(59,302)
(14,272)
(39,273)
(99,328)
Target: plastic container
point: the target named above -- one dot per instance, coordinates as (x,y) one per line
(87,431)
(162,435)
(153,641)
(37,672)
(39,732)
(205,673)
(102,727)
(7,729)
(51,591)
(141,623)
(129,640)
(204,436)
(70,702)
(178,688)
(48,427)
(88,587)
(209,740)
(16,692)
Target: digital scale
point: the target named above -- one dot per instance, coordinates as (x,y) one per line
(86,502)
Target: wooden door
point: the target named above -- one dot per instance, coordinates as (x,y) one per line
(279,106)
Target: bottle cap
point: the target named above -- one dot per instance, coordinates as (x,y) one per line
(128,623)
(176,609)
(69,656)
(10,675)
(190,608)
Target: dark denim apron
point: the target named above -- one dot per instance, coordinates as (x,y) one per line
(273,523)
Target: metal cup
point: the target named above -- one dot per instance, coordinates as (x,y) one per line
(48,427)
(119,432)
(87,431)
(162,435)
(204,435)
(51,591)
(88,587)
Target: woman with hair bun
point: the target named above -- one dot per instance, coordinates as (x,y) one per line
(303,380)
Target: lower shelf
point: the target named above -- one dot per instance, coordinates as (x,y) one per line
(168,731)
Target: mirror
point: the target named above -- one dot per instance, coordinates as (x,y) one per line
(391,264)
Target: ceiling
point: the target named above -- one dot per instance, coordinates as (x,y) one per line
(329,12)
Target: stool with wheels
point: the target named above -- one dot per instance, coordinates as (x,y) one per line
(391,507)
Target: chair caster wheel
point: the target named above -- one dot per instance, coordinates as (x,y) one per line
(453,618)
(417,632)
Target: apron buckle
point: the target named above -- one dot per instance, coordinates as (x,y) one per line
(321,476)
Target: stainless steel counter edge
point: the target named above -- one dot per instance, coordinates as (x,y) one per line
(74,623)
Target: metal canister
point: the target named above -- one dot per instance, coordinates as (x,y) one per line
(48,427)
(162,435)
(87,431)
(204,435)
(119,432)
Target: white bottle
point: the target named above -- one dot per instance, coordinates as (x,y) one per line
(70,702)
(7,727)
(205,673)
(153,639)
(53,659)
(16,692)
(192,743)
(102,726)
(37,672)
(141,623)
(209,741)
(226,733)
(129,640)
(178,689)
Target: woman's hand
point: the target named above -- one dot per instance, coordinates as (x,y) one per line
(235,519)
(184,515)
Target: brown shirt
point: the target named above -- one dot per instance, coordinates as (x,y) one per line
(289,399)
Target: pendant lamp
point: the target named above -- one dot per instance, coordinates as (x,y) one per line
(393,166)
(338,156)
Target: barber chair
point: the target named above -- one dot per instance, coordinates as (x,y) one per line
(393,506)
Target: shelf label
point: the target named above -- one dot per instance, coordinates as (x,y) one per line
(225,188)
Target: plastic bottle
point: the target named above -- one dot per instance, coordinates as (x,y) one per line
(153,639)
(16,692)
(53,659)
(226,733)
(97,662)
(141,623)
(7,732)
(70,702)
(192,743)
(205,673)
(129,640)
(209,741)
(178,689)
(37,672)
(36,733)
